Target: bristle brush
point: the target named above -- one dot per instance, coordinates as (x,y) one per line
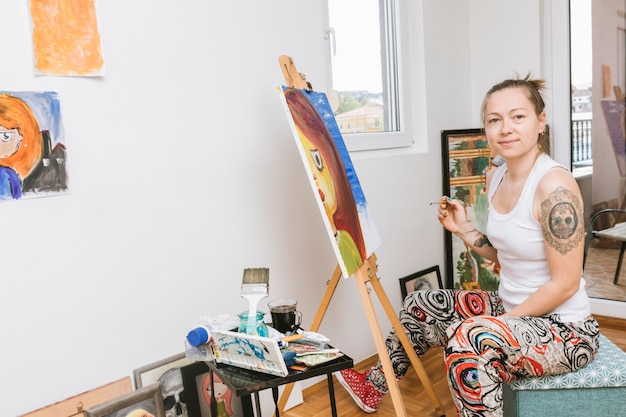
(254,287)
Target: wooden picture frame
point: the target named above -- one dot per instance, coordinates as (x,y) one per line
(75,405)
(196,380)
(466,158)
(426,279)
(167,372)
(149,374)
(141,402)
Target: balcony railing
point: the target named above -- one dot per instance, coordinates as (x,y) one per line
(581,142)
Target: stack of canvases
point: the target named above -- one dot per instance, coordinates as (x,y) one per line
(172,387)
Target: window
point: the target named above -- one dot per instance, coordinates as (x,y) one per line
(581,59)
(365,41)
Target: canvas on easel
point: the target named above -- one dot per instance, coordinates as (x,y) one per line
(332,176)
(346,217)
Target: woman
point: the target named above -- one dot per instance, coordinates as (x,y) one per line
(539,320)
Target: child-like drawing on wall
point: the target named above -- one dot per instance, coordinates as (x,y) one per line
(330,178)
(10,183)
(20,145)
(223,395)
(28,163)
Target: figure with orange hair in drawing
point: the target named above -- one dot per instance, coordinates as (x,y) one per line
(20,145)
(223,395)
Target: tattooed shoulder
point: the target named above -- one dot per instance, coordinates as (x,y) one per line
(562,220)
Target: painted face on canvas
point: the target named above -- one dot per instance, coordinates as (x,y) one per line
(512,124)
(322,177)
(331,178)
(10,140)
(223,395)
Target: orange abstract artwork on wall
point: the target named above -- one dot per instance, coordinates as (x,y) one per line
(66,40)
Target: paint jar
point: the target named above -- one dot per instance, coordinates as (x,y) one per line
(257,326)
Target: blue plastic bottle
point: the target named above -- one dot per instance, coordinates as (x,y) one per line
(199,335)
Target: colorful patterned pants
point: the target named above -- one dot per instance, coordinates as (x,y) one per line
(483,350)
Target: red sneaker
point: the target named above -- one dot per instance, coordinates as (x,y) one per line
(362,391)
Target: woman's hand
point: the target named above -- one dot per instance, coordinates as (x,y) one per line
(452,215)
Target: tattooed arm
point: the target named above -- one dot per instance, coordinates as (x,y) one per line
(558,207)
(453,217)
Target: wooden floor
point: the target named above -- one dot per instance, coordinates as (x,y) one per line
(600,272)
(416,402)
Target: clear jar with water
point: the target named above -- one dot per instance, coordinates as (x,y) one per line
(256,326)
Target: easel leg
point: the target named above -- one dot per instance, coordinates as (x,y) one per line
(315,325)
(328,295)
(361,278)
(406,344)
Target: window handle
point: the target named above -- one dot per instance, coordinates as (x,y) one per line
(330,34)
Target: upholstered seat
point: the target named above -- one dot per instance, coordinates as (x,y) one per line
(599,389)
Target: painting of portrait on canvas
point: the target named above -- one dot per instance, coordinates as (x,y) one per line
(32,148)
(332,176)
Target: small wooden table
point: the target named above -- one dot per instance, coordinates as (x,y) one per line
(244,382)
(617,232)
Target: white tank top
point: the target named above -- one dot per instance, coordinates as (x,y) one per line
(518,237)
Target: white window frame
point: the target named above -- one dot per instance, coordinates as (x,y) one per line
(410,82)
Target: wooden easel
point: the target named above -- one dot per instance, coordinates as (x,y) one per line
(364,275)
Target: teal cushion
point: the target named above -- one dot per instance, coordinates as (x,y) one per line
(607,369)
(599,389)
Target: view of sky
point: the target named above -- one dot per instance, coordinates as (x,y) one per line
(356,65)
(581,42)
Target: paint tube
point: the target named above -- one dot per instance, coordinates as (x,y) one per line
(200,335)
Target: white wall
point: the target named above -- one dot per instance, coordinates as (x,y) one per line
(509,41)
(183,172)
(505,43)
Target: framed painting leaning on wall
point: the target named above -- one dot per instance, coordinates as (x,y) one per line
(197,381)
(466,158)
(167,372)
(144,402)
(426,279)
